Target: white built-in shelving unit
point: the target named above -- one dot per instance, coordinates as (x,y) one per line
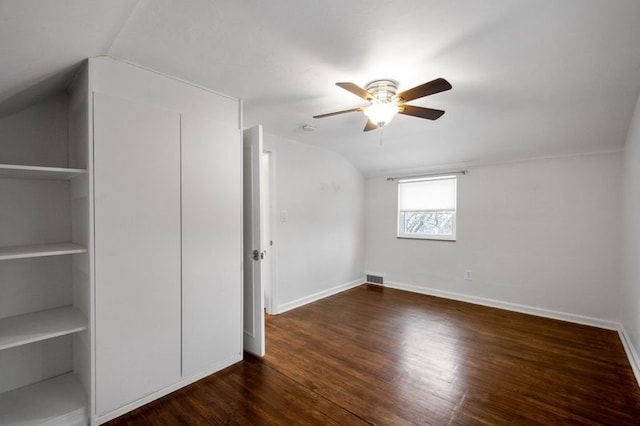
(120,244)
(44,261)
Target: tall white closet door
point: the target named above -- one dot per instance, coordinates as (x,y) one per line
(137,250)
(211,244)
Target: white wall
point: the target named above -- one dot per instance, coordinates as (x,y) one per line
(321,245)
(543,233)
(37,135)
(631,240)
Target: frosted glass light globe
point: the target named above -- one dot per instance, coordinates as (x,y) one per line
(381,113)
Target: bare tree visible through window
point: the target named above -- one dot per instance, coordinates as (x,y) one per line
(431,223)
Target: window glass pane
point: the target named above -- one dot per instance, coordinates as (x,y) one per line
(429,223)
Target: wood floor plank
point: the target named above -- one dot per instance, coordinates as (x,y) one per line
(375,355)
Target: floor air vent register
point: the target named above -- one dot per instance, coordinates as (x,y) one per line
(375,279)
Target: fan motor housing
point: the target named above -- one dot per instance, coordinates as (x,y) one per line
(382,90)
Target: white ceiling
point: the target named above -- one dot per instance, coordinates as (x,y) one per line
(42,41)
(530,78)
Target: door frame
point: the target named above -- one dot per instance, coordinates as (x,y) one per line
(272,306)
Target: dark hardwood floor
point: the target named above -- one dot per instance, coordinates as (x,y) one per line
(381,356)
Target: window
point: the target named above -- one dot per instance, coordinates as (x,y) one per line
(427,208)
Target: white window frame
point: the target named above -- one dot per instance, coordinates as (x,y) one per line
(400,222)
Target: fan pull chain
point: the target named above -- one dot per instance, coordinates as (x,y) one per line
(381,134)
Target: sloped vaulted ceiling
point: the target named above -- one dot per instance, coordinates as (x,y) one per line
(530,78)
(41,41)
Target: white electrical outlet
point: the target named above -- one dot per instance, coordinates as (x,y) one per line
(283,216)
(467,275)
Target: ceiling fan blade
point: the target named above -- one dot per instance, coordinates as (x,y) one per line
(435,86)
(416,111)
(370,126)
(356,90)
(329,114)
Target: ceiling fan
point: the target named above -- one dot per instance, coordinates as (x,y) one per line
(385,102)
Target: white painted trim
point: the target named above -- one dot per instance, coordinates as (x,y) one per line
(488,163)
(273,230)
(182,383)
(631,352)
(319,295)
(515,307)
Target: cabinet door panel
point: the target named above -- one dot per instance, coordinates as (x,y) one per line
(137,250)
(211,244)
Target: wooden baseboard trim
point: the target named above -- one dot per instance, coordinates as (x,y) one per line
(319,295)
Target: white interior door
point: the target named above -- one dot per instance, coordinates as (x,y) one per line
(253,250)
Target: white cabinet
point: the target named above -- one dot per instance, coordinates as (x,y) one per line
(211,244)
(137,249)
(168,234)
(120,244)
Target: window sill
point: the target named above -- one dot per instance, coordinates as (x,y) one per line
(448,240)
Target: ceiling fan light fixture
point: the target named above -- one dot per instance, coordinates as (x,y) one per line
(381,113)
(385,101)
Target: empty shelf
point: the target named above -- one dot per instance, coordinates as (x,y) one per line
(60,400)
(38,172)
(28,328)
(39,250)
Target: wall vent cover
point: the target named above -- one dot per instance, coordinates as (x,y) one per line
(375,279)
